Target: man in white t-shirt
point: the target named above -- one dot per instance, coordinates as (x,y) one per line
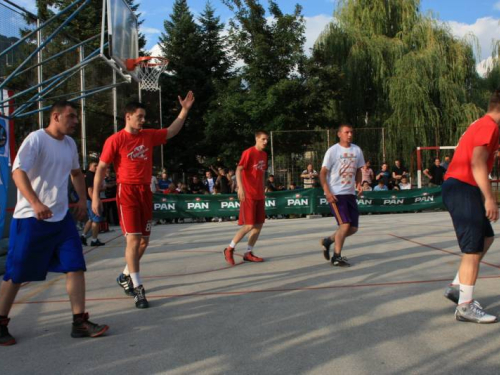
(43,236)
(340,177)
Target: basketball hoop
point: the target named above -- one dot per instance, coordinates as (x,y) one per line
(148,69)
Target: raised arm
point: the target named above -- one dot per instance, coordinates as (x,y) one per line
(178,123)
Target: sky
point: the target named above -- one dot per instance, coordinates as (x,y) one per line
(480,17)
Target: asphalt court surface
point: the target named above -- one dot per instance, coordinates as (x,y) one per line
(292,314)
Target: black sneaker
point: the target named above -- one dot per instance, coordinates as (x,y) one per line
(140,298)
(83,327)
(126,283)
(6,338)
(84,240)
(96,243)
(326,243)
(339,261)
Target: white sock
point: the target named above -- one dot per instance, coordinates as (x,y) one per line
(456,280)
(232,245)
(249,249)
(136,279)
(125,271)
(465,293)
(94,239)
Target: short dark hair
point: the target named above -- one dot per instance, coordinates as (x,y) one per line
(344,125)
(258,133)
(494,101)
(61,105)
(131,107)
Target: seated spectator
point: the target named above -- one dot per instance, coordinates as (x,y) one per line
(384,175)
(310,177)
(209,182)
(446,162)
(222,182)
(398,171)
(380,186)
(164,181)
(197,187)
(404,184)
(172,189)
(367,173)
(292,186)
(154,184)
(232,180)
(270,184)
(183,189)
(366,186)
(435,173)
(396,188)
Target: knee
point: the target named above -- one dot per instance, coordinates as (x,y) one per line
(352,230)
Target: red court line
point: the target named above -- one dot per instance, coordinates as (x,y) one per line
(439,249)
(271,290)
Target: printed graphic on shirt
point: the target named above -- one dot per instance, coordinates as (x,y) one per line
(140,152)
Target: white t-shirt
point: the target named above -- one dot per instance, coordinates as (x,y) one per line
(343,164)
(48,163)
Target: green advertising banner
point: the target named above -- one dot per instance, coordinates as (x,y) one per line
(296,202)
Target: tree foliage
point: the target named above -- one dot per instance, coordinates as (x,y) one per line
(401,70)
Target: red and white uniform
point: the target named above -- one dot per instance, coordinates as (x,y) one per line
(254,163)
(132,156)
(483,132)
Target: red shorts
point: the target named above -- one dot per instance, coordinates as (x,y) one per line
(135,208)
(252,212)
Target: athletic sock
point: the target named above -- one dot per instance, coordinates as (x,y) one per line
(232,245)
(94,239)
(249,249)
(466,292)
(456,280)
(136,279)
(125,271)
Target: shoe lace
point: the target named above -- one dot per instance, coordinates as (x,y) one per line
(341,259)
(477,309)
(140,293)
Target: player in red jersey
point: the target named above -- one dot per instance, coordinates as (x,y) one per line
(472,205)
(250,178)
(131,152)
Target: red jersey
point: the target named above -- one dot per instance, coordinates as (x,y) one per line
(132,154)
(254,163)
(483,132)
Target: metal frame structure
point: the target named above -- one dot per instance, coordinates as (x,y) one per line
(419,159)
(45,87)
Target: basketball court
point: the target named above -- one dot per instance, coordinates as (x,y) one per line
(293,313)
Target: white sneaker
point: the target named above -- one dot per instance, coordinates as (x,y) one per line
(472,312)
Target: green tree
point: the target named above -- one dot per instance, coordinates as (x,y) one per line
(400,70)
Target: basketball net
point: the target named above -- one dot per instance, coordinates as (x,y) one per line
(149,69)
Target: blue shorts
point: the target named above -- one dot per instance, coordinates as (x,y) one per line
(345,210)
(93,217)
(37,247)
(465,204)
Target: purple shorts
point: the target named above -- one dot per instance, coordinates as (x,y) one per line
(345,210)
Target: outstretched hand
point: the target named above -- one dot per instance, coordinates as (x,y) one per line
(188,101)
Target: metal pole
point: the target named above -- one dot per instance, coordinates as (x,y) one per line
(140,94)
(115,104)
(82,104)
(383,144)
(272,154)
(328,139)
(39,73)
(161,126)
